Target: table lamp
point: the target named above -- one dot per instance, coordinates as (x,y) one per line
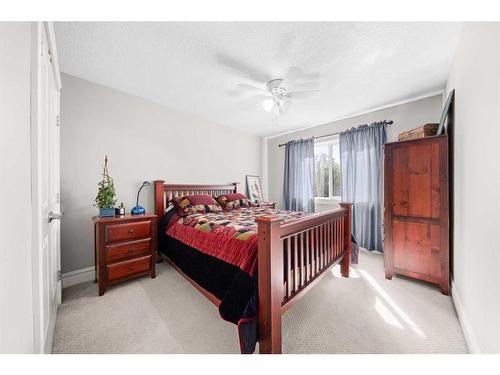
(139,210)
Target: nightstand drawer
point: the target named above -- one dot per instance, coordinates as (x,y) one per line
(131,249)
(128,231)
(128,268)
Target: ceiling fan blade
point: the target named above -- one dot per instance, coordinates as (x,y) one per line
(243,90)
(303,86)
(243,68)
(251,88)
(310,77)
(291,77)
(296,77)
(293,74)
(300,94)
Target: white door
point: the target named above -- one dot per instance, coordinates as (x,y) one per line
(45,189)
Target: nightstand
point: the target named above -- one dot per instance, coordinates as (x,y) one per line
(125,248)
(268,205)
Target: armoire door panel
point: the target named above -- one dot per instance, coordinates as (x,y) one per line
(400,182)
(416,181)
(416,247)
(419,166)
(435,181)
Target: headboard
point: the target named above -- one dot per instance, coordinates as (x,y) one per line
(165,192)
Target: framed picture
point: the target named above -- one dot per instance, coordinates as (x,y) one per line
(444,115)
(253,188)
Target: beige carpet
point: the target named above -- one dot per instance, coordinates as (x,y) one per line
(363,314)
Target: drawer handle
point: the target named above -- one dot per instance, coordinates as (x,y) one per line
(131,268)
(130,250)
(131,231)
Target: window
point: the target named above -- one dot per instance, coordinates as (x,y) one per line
(327,168)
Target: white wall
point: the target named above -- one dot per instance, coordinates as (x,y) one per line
(405,117)
(475,76)
(16,301)
(143,141)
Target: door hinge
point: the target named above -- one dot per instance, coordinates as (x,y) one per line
(59,275)
(57,120)
(58,197)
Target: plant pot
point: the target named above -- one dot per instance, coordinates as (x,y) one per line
(105,212)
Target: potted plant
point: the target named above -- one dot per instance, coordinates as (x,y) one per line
(106,195)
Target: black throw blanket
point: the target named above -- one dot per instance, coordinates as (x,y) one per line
(236,290)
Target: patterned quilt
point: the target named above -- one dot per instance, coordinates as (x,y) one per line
(228,236)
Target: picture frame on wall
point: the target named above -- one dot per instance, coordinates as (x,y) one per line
(446,110)
(254,189)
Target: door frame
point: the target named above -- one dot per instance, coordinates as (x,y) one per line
(41,344)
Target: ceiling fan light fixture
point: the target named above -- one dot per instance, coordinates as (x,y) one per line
(268,104)
(277,98)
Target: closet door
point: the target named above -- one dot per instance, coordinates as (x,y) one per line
(45,185)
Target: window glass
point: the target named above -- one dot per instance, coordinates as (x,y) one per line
(336,192)
(327,168)
(321,167)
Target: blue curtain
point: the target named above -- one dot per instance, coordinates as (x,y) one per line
(361,164)
(298,184)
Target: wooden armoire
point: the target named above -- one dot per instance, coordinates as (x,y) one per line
(416,227)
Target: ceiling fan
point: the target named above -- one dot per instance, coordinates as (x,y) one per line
(276,95)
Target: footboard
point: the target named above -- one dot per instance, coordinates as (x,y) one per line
(292,257)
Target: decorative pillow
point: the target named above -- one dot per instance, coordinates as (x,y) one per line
(190,204)
(233,200)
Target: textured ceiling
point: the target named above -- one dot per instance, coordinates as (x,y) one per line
(195,67)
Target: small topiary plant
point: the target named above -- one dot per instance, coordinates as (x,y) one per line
(106,195)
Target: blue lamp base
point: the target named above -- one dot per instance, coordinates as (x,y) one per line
(138,210)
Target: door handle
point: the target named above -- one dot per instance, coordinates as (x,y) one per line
(55,216)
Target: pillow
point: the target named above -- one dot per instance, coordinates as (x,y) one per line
(190,204)
(233,200)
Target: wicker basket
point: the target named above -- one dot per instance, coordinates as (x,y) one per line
(426,130)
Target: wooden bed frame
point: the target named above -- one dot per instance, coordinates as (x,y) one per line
(322,239)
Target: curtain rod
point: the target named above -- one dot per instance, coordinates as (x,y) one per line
(329,135)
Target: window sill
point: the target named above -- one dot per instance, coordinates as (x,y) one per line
(322,204)
(327,200)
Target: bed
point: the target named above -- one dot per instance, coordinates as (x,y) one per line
(252,263)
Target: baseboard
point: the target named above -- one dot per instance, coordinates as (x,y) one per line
(78,276)
(470,338)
